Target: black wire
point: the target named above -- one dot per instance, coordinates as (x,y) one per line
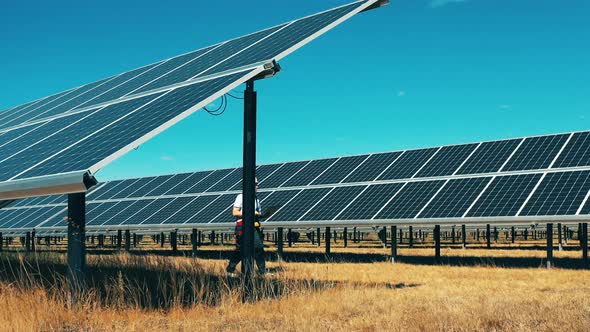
(219,110)
(234,97)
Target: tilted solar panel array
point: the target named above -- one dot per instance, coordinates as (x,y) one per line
(85,128)
(462,182)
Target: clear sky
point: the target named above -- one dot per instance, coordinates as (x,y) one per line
(414,74)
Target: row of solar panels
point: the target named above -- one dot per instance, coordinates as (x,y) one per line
(244,51)
(533,153)
(563,193)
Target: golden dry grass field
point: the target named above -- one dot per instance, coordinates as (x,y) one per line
(153,292)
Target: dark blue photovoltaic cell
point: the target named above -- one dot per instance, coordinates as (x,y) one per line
(161,185)
(161,69)
(559,194)
(209,181)
(227,182)
(211,211)
(15,111)
(446,161)
(41,215)
(367,204)
(284,39)
(147,211)
(408,164)
(276,200)
(282,174)
(105,211)
(505,196)
(37,134)
(63,138)
(455,198)
(333,204)
(204,62)
(410,200)
(227,216)
(586,209)
(262,172)
(339,170)
(75,96)
(24,217)
(536,153)
(576,153)
(89,98)
(372,167)
(309,173)
(191,209)
(135,186)
(489,157)
(107,189)
(91,151)
(166,212)
(124,185)
(9,136)
(20,117)
(180,187)
(297,207)
(122,212)
(11,217)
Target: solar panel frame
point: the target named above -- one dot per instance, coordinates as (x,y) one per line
(559,193)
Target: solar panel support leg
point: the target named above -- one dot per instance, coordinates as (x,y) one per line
(319,232)
(549,245)
(585,242)
(33,241)
(290,238)
(513,235)
(280,243)
(345,237)
(437,241)
(119,239)
(463,237)
(328,240)
(411,237)
(393,243)
(559,237)
(1,242)
(127,240)
(194,242)
(249,190)
(488,236)
(76,241)
(354,235)
(28,241)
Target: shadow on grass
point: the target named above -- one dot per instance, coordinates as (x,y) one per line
(123,281)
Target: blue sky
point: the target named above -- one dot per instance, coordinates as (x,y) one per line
(414,74)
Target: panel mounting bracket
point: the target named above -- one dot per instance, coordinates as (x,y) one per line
(270,69)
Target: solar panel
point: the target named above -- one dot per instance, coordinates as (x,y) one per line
(309,172)
(408,164)
(576,153)
(447,160)
(83,129)
(410,200)
(559,194)
(373,167)
(455,198)
(211,180)
(489,157)
(505,196)
(333,204)
(185,214)
(282,174)
(300,204)
(340,169)
(536,153)
(181,187)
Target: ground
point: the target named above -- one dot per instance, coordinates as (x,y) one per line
(464,291)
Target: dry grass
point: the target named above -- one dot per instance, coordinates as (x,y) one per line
(175,293)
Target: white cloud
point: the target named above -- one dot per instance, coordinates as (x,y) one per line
(401,93)
(166,158)
(442,3)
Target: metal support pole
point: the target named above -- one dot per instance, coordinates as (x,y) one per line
(354,238)
(559,237)
(119,239)
(585,242)
(174,241)
(327,238)
(33,241)
(453,235)
(280,243)
(289,238)
(76,240)
(513,234)
(463,236)
(411,237)
(127,240)
(319,237)
(195,242)
(28,241)
(549,245)
(1,242)
(393,243)
(344,237)
(437,241)
(488,236)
